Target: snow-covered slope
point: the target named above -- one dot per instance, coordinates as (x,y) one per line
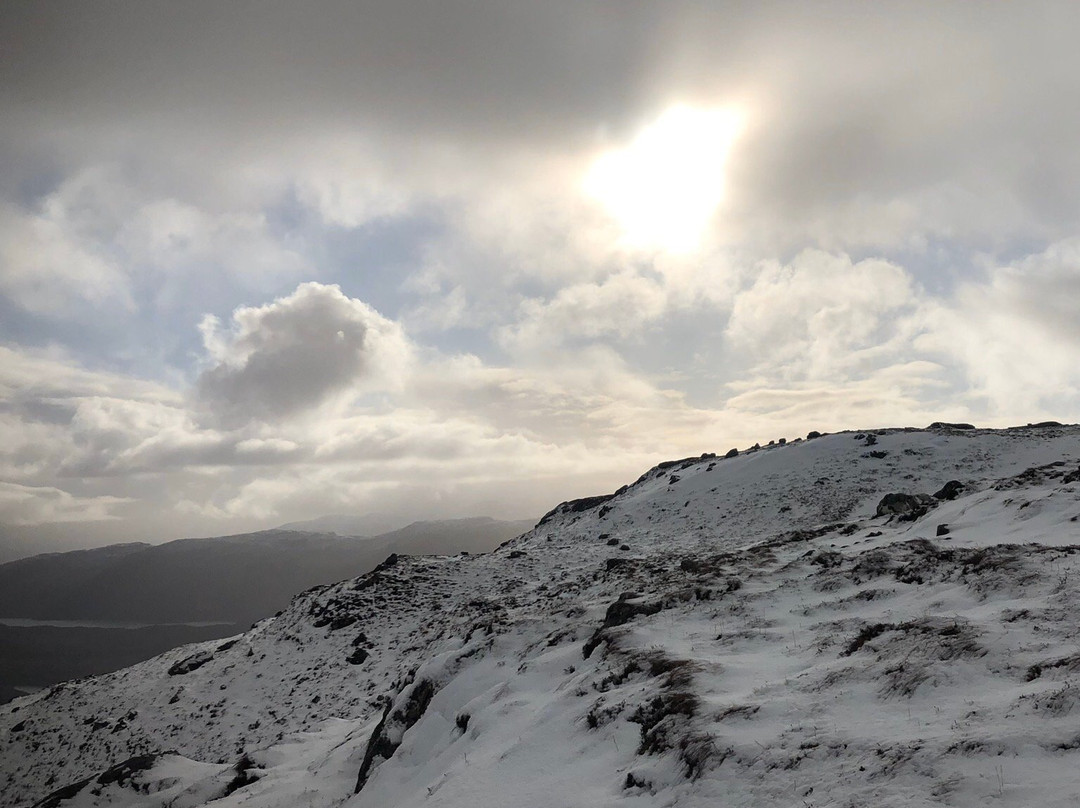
(725,631)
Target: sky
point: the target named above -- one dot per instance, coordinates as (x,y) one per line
(264,261)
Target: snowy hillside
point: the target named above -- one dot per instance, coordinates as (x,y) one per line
(744,631)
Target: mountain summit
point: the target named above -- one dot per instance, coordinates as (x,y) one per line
(883,618)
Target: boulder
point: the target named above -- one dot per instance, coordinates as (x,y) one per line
(950,490)
(906,506)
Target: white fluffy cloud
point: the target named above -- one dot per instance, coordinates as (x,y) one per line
(105,240)
(299,353)
(1016,333)
(618,306)
(48,265)
(823,317)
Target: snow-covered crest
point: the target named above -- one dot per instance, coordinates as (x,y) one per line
(744,631)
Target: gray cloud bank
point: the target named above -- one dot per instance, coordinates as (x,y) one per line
(937,105)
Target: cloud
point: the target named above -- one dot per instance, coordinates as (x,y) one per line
(1015,334)
(492,334)
(883,128)
(57,418)
(298,353)
(589,400)
(904,394)
(29,505)
(620,306)
(48,266)
(49,374)
(170,236)
(822,317)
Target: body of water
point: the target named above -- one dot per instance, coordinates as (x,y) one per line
(36,654)
(26,622)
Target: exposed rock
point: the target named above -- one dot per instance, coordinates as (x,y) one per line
(191,663)
(623,610)
(577,506)
(906,506)
(357,656)
(244,768)
(398,718)
(950,490)
(119,773)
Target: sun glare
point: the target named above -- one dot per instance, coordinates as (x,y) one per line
(664,187)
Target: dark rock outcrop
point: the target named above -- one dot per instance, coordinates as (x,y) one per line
(190,663)
(625,609)
(907,507)
(396,721)
(120,773)
(578,505)
(950,490)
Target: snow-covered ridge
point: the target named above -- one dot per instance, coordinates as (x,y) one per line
(743,631)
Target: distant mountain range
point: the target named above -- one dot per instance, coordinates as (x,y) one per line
(233,579)
(349,524)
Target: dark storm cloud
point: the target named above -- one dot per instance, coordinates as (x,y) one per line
(465,65)
(856,111)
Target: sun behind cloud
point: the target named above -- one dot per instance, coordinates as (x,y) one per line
(665,185)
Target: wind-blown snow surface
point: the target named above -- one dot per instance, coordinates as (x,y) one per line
(740,631)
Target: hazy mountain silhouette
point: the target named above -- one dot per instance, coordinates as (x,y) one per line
(234,579)
(349,524)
